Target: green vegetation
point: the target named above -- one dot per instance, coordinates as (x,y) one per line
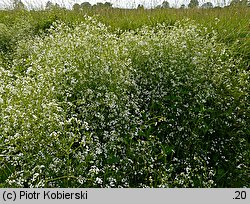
(103,97)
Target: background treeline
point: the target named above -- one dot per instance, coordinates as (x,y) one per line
(18,4)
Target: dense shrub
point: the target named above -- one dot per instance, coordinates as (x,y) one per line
(155,107)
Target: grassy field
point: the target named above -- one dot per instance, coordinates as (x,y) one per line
(125,98)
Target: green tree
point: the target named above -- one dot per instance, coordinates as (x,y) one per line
(193,3)
(140,6)
(165,4)
(243,3)
(108,4)
(207,5)
(85,5)
(18,5)
(183,6)
(57,6)
(49,5)
(99,5)
(234,2)
(76,7)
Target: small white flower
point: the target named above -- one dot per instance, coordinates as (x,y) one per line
(98,180)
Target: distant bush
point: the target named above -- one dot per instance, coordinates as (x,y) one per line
(155,107)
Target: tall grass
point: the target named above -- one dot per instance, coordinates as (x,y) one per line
(231,23)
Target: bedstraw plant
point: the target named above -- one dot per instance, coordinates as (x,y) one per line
(158,106)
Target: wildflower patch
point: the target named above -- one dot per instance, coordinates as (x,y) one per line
(155,107)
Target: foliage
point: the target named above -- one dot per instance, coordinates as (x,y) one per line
(50,6)
(129,98)
(158,106)
(85,5)
(18,5)
(182,6)
(140,7)
(243,3)
(103,5)
(193,3)
(76,7)
(165,4)
(207,5)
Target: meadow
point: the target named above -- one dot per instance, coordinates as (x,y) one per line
(125,98)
